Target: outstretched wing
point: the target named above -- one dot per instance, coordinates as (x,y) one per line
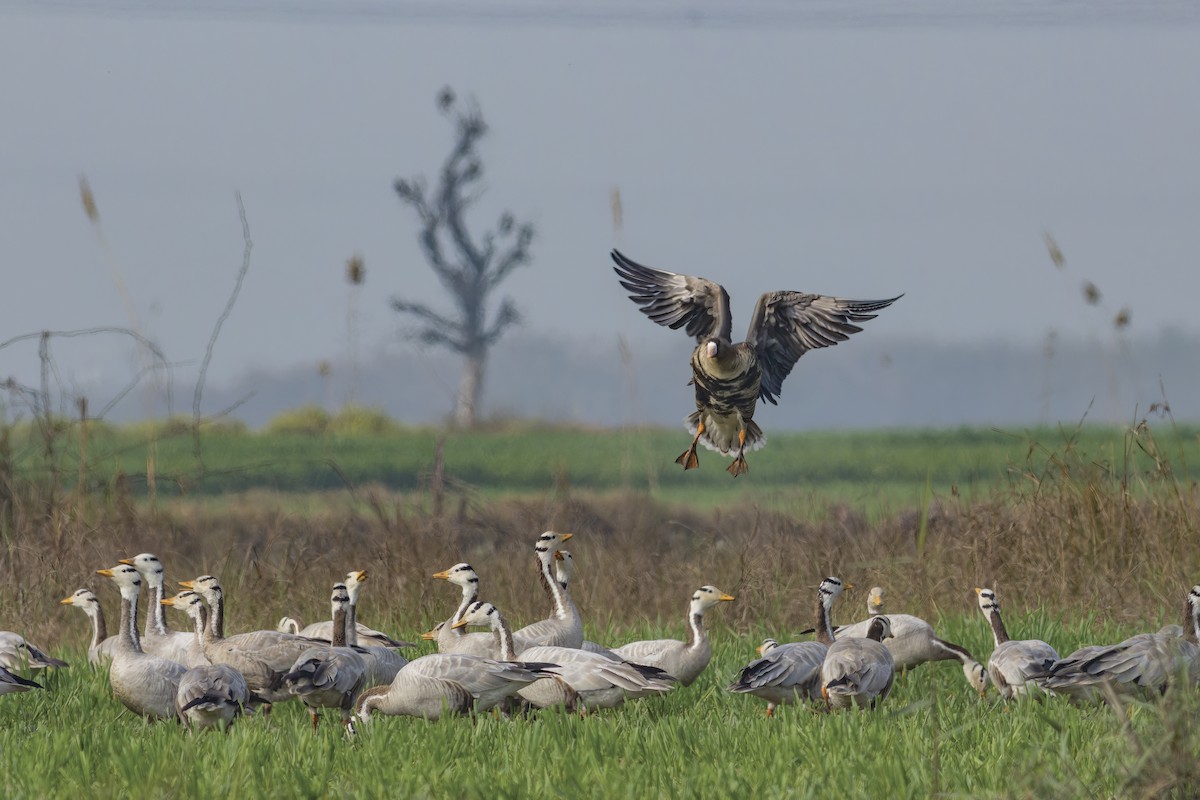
(699,306)
(786,325)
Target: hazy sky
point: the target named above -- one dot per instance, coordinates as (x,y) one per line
(851,151)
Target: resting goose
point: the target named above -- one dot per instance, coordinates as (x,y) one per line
(18,653)
(564,627)
(451,639)
(158,638)
(101,648)
(684,660)
(914,642)
(787,673)
(263,657)
(366,636)
(859,671)
(1014,662)
(145,684)
(330,676)
(1146,663)
(576,678)
(209,695)
(415,695)
(11,682)
(731,378)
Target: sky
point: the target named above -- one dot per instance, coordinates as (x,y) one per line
(853,150)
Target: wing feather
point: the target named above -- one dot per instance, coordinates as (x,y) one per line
(697,305)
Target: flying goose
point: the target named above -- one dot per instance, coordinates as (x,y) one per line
(209,695)
(101,648)
(787,673)
(145,684)
(564,626)
(577,679)
(1146,663)
(367,636)
(18,653)
(1013,662)
(914,642)
(11,682)
(330,676)
(731,378)
(859,671)
(263,657)
(682,660)
(158,638)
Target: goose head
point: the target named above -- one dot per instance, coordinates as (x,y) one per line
(767,646)
(208,587)
(706,597)
(83,598)
(339,599)
(987,600)
(479,613)
(149,566)
(831,589)
(430,636)
(354,581)
(190,603)
(127,579)
(460,575)
(548,543)
(875,600)
(977,677)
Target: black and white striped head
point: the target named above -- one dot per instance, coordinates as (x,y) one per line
(128,579)
(767,646)
(987,600)
(831,589)
(977,675)
(880,628)
(548,543)
(460,575)
(706,597)
(339,599)
(479,613)
(207,586)
(564,567)
(1194,599)
(149,566)
(430,636)
(83,598)
(189,602)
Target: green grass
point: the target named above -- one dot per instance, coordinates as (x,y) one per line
(932,735)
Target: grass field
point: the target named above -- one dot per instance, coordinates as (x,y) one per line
(932,737)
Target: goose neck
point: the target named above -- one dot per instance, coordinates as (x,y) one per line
(999,632)
(558,595)
(504,639)
(128,630)
(696,634)
(99,626)
(1191,621)
(351,626)
(824,622)
(340,617)
(470,594)
(158,612)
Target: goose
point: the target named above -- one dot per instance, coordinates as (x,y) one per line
(263,657)
(579,679)
(158,638)
(367,636)
(383,661)
(1145,663)
(415,695)
(1013,662)
(489,682)
(913,642)
(786,673)
(145,684)
(683,660)
(731,378)
(330,676)
(209,695)
(859,671)
(11,682)
(102,645)
(452,639)
(18,653)
(564,569)
(564,627)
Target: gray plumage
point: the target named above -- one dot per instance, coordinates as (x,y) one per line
(1013,662)
(451,639)
(415,694)
(730,378)
(859,671)
(209,695)
(564,626)
(100,649)
(10,682)
(157,637)
(330,676)
(683,660)
(18,653)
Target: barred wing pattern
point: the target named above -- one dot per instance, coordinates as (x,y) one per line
(699,306)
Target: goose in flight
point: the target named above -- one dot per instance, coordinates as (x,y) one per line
(731,378)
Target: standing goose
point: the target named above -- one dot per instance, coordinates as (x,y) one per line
(158,638)
(682,660)
(17,653)
(1145,663)
(731,378)
(786,673)
(579,678)
(859,671)
(564,627)
(263,657)
(914,642)
(452,639)
(102,646)
(330,676)
(209,695)
(366,636)
(383,661)
(11,682)
(145,684)
(1013,663)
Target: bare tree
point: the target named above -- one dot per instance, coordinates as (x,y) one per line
(470,268)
